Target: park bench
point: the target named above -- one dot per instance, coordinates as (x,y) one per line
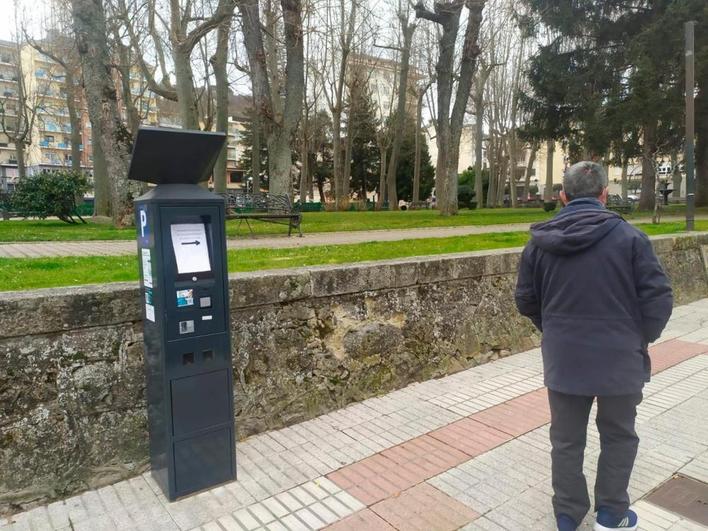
(245,206)
(619,205)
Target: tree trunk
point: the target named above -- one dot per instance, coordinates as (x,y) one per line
(20,154)
(381,199)
(101,186)
(90,30)
(491,157)
(184,78)
(305,161)
(279,164)
(418,147)
(625,163)
(320,188)
(256,129)
(501,172)
(222,100)
(124,67)
(527,172)
(347,167)
(647,197)
(512,168)
(337,163)
(74,122)
(407,30)
(548,188)
(478,139)
(676,177)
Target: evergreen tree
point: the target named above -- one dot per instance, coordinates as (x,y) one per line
(365,154)
(609,83)
(246,141)
(404,170)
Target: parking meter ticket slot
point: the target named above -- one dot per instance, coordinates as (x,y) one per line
(189,243)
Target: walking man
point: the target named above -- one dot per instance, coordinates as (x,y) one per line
(593,286)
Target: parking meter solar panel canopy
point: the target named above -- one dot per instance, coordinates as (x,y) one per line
(174,156)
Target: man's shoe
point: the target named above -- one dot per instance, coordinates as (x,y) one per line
(607,520)
(565,523)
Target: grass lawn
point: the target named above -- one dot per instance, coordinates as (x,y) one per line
(51,230)
(31,273)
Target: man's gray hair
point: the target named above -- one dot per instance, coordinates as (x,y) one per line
(584,179)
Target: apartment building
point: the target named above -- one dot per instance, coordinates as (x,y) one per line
(46,90)
(8,112)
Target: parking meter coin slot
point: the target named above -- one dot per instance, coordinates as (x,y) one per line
(186,327)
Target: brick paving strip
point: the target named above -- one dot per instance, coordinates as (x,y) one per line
(124,247)
(467,451)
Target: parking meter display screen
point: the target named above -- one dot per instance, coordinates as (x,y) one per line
(191,248)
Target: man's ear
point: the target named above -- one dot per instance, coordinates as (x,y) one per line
(564,198)
(603,195)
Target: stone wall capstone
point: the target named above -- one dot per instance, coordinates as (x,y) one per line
(304,342)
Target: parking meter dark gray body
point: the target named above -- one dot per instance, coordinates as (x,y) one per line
(182,255)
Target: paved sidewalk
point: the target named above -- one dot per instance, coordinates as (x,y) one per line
(123,247)
(469,451)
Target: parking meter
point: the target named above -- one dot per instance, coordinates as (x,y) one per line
(185,302)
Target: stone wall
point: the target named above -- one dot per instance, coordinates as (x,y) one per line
(305,341)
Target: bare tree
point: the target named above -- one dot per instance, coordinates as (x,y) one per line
(218,62)
(279,127)
(339,39)
(91,39)
(420,93)
(407,30)
(451,115)
(184,37)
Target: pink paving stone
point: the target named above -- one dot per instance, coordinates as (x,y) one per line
(673,352)
(517,416)
(396,469)
(471,437)
(364,519)
(425,508)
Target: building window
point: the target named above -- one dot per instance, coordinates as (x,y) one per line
(236,177)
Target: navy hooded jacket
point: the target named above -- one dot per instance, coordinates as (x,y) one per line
(593,285)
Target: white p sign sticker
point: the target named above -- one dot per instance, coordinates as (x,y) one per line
(143,223)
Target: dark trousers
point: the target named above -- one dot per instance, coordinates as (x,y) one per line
(618,449)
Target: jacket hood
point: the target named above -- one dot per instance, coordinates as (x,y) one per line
(576,228)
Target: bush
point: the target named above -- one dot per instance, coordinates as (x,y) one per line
(549,206)
(465,193)
(50,193)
